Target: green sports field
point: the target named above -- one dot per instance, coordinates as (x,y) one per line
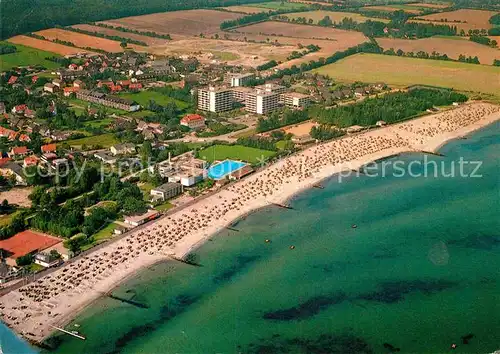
(402,72)
(235,152)
(26,56)
(104,140)
(143,98)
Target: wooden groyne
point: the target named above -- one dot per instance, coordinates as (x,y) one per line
(432,153)
(318,186)
(130,302)
(68,332)
(232,229)
(185,261)
(284,206)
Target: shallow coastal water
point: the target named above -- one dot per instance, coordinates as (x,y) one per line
(12,344)
(418,273)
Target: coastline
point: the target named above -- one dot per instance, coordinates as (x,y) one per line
(90,291)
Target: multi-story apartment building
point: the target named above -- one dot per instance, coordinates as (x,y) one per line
(270,87)
(261,102)
(295,99)
(215,99)
(236,80)
(240,93)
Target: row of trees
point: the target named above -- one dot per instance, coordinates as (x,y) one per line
(252,18)
(268,65)
(131,30)
(483,40)
(325,132)
(390,108)
(277,120)
(7,48)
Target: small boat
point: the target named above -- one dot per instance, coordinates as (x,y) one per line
(268,241)
(292,247)
(354,226)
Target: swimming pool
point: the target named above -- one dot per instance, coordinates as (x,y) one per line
(222,169)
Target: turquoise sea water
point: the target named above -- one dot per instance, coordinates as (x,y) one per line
(10,343)
(418,273)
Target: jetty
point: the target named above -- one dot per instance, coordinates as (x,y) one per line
(318,186)
(432,153)
(232,229)
(130,302)
(184,261)
(68,332)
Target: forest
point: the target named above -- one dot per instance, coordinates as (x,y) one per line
(20,16)
(390,108)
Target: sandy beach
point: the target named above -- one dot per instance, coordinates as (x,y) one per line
(56,298)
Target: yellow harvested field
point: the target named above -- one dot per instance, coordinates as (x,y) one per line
(186,23)
(83,41)
(339,40)
(111,32)
(46,45)
(430,6)
(245,9)
(275,28)
(402,72)
(233,52)
(300,129)
(334,16)
(451,47)
(464,19)
(389,8)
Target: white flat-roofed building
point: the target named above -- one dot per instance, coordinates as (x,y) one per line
(262,102)
(270,87)
(166,191)
(214,99)
(136,220)
(295,99)
(240,93)
(240,79)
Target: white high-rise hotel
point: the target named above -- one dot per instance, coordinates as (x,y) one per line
(215,99)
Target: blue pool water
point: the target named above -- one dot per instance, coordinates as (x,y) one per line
(222,169)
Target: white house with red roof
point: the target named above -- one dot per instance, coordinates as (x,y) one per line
(193,121)
(17,151)
(19,109)
(48,148)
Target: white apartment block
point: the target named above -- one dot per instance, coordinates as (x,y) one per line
(214,99)
(240,79)
(240,93)
(272,88)
(295,100)
(262,102)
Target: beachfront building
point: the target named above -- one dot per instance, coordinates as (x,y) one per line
(193,121)
(262,102)
(295,100)
(240,79)
(166,191)
(215,100)
(136,220)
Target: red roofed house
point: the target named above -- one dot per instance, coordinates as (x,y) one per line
(4,160)
(48,148)
(19,109)
(124,82)
(193,121)
(69,90)
(136,86)
(24,138)
(110,84)
(116,88)
(12,80)
(5,133)
(29,113)
(31,161)
(26,242)
(18,151)
(34,79)
(73,67)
